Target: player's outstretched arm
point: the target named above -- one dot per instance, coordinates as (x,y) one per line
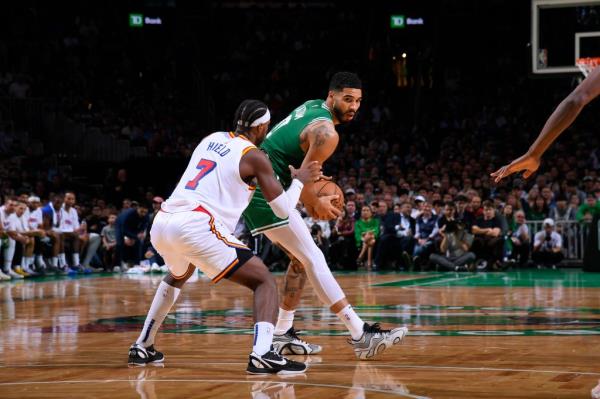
(322,142)
(561,119)
(256,164)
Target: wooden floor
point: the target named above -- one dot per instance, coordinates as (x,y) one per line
(531,334)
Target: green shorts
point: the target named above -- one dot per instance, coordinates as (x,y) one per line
(259,216)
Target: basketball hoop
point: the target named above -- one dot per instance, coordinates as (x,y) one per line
(586,65)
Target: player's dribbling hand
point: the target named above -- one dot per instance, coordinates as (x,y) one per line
(324,209)
(308,173)
(527,162)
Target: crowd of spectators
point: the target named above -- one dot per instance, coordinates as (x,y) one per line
(414,165)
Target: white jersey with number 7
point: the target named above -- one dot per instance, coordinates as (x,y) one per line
(212,179)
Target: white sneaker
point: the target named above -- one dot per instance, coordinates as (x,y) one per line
(164,269)
(116,269)
(14,274)
(290,344)
(4,276)
(375,340)
(155,267)
(596,391)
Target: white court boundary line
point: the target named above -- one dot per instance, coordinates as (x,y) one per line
(345,365)
(310,384)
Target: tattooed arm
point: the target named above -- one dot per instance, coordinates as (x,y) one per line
(319,140)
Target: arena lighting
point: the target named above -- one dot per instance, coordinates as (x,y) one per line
(403,55)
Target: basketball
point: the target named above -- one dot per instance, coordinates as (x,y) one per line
(323,188)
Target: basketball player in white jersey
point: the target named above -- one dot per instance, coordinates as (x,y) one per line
(558,122)
(195,225)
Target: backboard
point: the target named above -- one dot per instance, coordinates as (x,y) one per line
(561,32)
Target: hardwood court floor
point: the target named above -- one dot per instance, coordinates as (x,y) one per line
(529,334)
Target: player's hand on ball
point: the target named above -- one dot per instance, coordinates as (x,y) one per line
(324,209)
(527,162)
(308,173)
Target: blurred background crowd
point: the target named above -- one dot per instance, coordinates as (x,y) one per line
(98,118)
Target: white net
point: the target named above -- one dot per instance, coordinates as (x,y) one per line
(586,65)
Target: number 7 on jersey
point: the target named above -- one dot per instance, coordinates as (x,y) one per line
(204,167)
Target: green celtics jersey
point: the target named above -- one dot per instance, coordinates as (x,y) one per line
(282,145)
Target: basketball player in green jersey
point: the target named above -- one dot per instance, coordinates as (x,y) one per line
(308,134)
(558,122)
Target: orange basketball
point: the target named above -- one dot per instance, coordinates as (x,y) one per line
(323,188)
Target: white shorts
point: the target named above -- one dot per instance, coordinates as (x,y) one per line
(195,237)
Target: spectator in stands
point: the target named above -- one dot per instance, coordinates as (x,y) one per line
(520,238)
(589,209)
(20,222)
(416,211)
(438,208)
(351,210)
(8,240)
(488,243)
(366,233)
(130,231)
(475,207)
(464,214)
(455,247)
(36,223)
(448,215)
(539,210)
(382,211)
(156,204)
(18,231)
(343,248)
(71,231)
(319,238)
(561,211)
(547,246)
(109,243)
(426,231)
(52,216)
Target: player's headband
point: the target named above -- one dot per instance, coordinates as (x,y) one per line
(263,119)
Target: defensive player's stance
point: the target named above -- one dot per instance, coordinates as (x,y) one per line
(195,225)
(561,118)
(308,134)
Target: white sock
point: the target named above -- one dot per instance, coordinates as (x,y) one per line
(30,261)
(7,264)
(76,261)
(54,261)
(263,337)
(62,260)
(39,261)
(163,301)
(24,262)
(353,323)
(285,321)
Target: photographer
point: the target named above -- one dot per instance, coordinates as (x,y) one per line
(455,246)
(547,246)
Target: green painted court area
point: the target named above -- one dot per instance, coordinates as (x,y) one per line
(523,278)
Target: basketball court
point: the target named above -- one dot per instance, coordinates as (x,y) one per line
(527,334)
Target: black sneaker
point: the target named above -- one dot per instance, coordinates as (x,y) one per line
(273,363)
(140,356)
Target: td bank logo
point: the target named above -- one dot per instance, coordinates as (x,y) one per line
(136,20)
(397,22)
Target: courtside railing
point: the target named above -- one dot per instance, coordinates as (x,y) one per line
(573,233)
